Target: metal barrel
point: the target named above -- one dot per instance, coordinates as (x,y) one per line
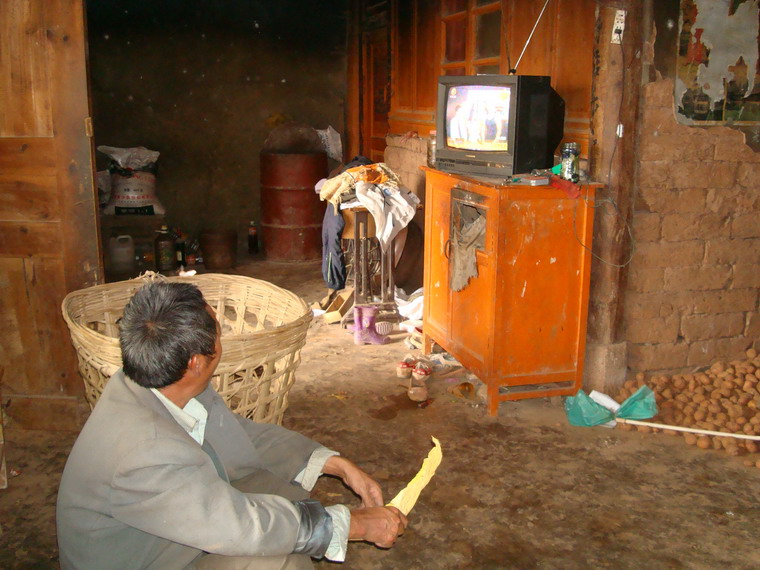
(291,212)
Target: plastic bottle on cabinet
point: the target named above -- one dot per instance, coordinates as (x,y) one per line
(165,253)
(431,149)
(569,166)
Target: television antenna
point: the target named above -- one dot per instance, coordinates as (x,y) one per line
(513,71)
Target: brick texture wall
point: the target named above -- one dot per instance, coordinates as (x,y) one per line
(692,294)
(404,155)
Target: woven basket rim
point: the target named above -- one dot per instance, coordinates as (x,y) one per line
(257,368)
(307,314)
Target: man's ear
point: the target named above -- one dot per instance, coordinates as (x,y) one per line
(194,364)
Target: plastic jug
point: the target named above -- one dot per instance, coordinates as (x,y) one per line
(121,252)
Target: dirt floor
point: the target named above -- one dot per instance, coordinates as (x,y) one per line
(523,490)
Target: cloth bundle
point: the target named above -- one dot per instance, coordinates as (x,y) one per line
(376,188)
(333,189)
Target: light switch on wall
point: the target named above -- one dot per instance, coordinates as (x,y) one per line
(618,27)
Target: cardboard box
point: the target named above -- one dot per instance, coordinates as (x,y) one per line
(340,305)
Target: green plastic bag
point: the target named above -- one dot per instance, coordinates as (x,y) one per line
(585,412)
(640,405)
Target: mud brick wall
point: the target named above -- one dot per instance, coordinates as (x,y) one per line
(692,293)
(404,155)
(200,82)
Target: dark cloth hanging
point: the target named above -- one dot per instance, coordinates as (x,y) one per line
(333,262)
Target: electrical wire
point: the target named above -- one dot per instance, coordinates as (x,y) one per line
(627,227)
(608,200)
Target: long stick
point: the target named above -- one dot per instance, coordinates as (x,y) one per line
(689,430)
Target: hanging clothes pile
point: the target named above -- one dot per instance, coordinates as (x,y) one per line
(333,189)
(373,186)
(333,262)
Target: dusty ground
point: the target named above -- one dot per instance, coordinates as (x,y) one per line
(523,490)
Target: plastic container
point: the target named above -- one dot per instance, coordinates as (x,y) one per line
(569,169)
(431,149)
(121,253)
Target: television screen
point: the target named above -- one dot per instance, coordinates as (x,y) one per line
(477,117)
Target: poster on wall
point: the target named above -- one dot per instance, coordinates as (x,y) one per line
(718,66)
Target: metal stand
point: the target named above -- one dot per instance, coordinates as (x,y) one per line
(363,290)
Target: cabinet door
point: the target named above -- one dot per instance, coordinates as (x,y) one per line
(471,300)
(543,288)
(437,220)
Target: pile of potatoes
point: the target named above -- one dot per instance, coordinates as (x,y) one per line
(724,398)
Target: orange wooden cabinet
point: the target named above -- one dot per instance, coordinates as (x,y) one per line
(520,324)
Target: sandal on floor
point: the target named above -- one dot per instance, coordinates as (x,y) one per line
(405,367)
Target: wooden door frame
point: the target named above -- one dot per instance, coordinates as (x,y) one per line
(367,88)
(356,73)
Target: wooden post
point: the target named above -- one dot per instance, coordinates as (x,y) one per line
(3,472)
(612,157)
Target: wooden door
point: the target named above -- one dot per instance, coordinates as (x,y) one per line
(375,92)
(436,276)
(49,241)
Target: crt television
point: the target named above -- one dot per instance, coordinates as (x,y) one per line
(497,125)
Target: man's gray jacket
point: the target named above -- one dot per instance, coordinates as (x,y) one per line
(139,492)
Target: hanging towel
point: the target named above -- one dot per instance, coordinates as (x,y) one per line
(392,208)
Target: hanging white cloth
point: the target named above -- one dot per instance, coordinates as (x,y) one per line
(391,206)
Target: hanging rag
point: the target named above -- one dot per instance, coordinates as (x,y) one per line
(391,207)
(333,263)
(464,264)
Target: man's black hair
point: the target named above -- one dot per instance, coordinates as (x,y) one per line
(164,324)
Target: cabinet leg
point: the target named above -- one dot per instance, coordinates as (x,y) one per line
(427,344)
(493,400)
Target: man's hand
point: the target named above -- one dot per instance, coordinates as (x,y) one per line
(356,479)
(378,525)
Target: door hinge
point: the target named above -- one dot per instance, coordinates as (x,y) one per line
(88,126)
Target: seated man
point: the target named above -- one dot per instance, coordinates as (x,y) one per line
(164,475)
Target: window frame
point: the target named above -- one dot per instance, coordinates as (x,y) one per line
(470,14)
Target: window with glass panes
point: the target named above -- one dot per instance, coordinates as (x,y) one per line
(473,38)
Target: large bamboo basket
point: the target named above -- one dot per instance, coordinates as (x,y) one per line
(263,330)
